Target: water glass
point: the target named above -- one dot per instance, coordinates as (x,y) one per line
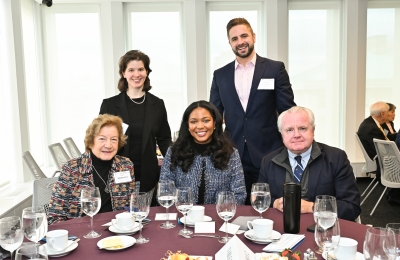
(378,244)
(260,197)
(31,251)
(184,203)
(226,209)
(34,223)
(91,204)
(395,227)
(327,238)
(140,208)
(11,233)
(166,198)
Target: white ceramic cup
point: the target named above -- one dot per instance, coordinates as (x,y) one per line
(346,249)
(57,240)
(196,214)
(262,227)
(124,221)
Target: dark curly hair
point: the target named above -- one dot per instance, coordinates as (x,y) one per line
(123,63)
(221,148)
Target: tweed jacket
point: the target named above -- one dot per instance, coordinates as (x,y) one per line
(65,199)
(230,179)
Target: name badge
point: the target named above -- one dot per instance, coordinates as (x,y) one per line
(124,127)
(122,177)
(266,84)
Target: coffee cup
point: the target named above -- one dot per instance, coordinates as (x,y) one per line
(261,227)
(124,221)
(57,240)
(196,214)
(346,249)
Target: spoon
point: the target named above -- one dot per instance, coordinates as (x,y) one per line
(192,236)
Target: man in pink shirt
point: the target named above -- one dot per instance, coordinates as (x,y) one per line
(250,93)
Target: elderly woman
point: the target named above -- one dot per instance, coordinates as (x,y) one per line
(203,158)
(388,126)
(95,168)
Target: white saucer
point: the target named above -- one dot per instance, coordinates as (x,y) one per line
(126,240)
(359,256)
(191,224)
(250,236)
(115,230)
(61,253)
(196,256)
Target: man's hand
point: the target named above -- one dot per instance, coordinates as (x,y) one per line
(306,206)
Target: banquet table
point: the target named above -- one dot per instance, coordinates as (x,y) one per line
(162,240)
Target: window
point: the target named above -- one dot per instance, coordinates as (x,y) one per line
(383,54)
(74,70)
(314,63)
(155,29)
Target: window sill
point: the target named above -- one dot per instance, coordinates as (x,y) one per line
(13,195)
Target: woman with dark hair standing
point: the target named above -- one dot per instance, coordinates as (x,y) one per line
(203,158)
(144,118)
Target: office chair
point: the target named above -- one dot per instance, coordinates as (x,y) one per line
(59,154)
(37,173)
(42,189)
(72,148)
(369,167)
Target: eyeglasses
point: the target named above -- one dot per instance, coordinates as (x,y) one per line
(301,129)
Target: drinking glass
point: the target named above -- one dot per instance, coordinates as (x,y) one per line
(184,203)
(91,203)
(34,223)
(260,197)
(376,240)
(327,238)
(226,209)
(140,208)
(325,208)
(166,198)
(11,234)
(395,227)
(34,251)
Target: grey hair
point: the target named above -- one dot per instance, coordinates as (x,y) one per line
(377,108)
(294,110)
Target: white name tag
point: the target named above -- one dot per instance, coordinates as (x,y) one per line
(232,228)
(266,84)
(204,227)
(124,127)
(122,177)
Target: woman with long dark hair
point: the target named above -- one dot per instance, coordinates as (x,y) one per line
(203,158)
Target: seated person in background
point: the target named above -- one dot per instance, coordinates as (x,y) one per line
(388,126)
(94,168)
(203,158)
(319,168)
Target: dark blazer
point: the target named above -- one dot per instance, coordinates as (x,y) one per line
(155,131)
(257,126)
(367,131)
(329,173)
(392,137)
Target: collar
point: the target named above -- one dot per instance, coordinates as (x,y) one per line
(252,61)
(376,122)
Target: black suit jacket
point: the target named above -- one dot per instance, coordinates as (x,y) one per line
(392,137)
(257,125)
(156,130)
(367,131)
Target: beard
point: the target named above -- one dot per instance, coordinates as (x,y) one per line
(246,54)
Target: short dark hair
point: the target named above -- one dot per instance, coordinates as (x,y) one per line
(123,63)
(237,21)
(391,106)
(182,153)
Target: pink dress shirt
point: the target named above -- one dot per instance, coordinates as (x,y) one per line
(243,80)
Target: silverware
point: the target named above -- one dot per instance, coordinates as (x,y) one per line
(266,240)
(192,235)
(73,243)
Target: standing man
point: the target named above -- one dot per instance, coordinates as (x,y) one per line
(250,92)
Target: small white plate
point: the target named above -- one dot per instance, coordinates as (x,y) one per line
(115,230)
(359,256)
(196,256)
(126,240)
(250,236)
(191,224)
(61,253)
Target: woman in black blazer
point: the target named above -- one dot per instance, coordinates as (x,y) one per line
(388,126)
(144,118)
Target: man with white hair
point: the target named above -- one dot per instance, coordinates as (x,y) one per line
(319,169)
(371,128)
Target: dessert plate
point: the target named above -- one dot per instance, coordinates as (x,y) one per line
(126,241)
(115,230)
(61,253)
(359,256)
(274,236)
(191,224)
(196,257)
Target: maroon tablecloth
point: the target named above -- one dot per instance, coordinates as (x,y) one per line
(162,240)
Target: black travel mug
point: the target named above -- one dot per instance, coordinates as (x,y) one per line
(291,207)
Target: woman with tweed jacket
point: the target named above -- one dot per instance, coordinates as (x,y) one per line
(94,168)
(203,158)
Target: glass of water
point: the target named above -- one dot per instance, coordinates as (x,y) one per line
(184,203)
(91,203)
(31,251)
(260,197)
(11,233)
(166,198)
(226,209)
(34,223)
